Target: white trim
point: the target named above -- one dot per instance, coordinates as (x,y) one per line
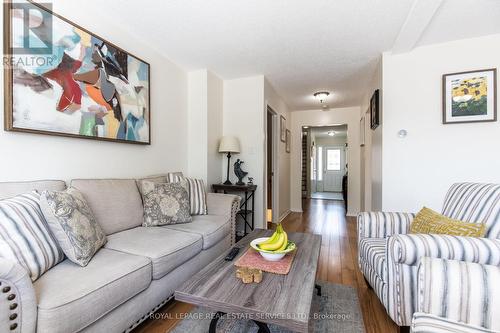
(284,215)
(353,214)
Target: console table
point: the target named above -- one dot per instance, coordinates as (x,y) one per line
(247,206)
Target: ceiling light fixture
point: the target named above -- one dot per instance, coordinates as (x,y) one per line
(321,95)
(331,133)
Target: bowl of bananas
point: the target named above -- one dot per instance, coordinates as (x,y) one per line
(274,248)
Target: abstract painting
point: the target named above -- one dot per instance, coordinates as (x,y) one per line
(469,97)
(86,87)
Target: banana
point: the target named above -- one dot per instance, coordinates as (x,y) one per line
(276,245)
(270,240)
(285,242)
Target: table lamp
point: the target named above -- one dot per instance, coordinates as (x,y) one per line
(229,144)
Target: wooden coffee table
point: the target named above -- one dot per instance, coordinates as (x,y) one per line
(284,300)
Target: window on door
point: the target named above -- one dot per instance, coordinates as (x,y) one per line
(333,159)
(320,163)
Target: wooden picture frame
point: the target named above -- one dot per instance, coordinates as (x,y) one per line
(288,139)
(91,80)
(470,97)
(375,110)
(282,129)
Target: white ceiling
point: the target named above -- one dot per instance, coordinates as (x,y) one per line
(300,46)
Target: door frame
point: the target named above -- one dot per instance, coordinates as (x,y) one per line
(275,171)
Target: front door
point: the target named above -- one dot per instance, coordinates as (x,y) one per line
(333,168)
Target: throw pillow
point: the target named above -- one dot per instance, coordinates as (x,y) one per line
(428,221)
(165,203)
(25,237)
(73,224)
(197,193)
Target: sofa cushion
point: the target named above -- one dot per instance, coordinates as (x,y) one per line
(372,251)
(10,189)
(212,228)
(71,297)
(167,249)
(116,203)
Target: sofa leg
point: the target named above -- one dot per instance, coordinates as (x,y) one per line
(404,329)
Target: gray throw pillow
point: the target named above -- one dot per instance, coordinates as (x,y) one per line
(73,224)
(165,203)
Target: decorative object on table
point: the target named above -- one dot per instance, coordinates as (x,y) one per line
(239,172)
(165,203)
(282,129)
(247,205)
(251,258)
(249,275)
(274,248)
(196,190)
(79,85)
(375,110)
(229,144)
(470,96)
(250,181)
(362,129)
(25,236)
(288,140)
(73,224)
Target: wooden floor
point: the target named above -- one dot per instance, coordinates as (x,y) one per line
(338,264)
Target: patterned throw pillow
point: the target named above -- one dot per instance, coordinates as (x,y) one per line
(25,237)
(73,224)
(428,221)
(197,192)
(165,203)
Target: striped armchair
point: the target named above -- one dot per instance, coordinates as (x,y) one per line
(388,256)
(456,297)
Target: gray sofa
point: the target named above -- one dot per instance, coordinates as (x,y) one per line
(134,274)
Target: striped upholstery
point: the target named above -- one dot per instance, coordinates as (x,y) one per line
(473,202)
(382,224)
(477,203)
(25,237)
(461,292)
(426,323)
(197,192)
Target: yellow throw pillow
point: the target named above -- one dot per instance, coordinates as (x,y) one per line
(428,221)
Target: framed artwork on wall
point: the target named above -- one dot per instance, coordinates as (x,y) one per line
(288,139)
(282,129)
(374,110)
(470,97)
(77,84)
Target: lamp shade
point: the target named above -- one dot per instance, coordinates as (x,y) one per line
(229,144)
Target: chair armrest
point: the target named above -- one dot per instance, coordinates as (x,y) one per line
(459,291)
(18,308)
(409,249)
(226,205)
(383,224)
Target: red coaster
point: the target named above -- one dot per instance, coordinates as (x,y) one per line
(253,259)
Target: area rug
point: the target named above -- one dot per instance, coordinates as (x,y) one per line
(337,310)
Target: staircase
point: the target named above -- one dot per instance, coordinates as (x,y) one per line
(304,164)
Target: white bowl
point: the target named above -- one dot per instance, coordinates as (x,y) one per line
(271,255)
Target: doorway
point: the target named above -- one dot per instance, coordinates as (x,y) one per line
(328,154)
(271,166)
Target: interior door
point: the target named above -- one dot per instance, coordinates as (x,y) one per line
(333,168)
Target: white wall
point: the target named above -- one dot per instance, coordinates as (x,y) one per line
(349,116)
(419,169)
(283,169)
(244,117)
(331,141)
(31,156)
(205,94)
(373,145)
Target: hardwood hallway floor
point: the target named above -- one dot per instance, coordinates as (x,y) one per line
(338,264)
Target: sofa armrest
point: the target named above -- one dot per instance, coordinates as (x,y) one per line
(409,249)
(18,308)
(383,224)
(226,205)
(459,291)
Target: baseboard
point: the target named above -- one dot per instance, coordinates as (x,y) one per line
(351,214)
(284,215)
